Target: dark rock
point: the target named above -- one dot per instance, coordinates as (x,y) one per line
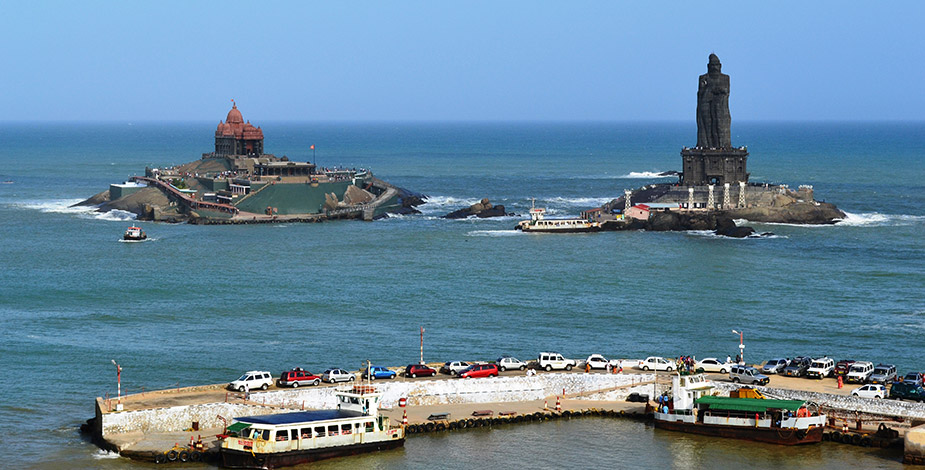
(736,232)
(94,200)
(482,209)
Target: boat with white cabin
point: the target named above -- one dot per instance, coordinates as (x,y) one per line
(134,234)
(694,408)
(538,223)
(279,440)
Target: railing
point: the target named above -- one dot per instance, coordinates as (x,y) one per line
(190,201)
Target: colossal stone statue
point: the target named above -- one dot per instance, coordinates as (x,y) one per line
(713,119)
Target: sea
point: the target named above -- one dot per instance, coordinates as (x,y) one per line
(201,304)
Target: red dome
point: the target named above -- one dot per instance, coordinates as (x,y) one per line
(234,116)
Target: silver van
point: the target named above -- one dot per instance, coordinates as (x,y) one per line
(747,375)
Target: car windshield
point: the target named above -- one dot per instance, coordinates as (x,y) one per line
(881,370)
(243,377)
(818,365)
(857,368)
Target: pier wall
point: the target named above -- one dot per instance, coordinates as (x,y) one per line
(848,403)
(418,393)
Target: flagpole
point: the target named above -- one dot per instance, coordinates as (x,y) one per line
(422,345)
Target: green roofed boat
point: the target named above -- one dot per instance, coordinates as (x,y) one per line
(694,409)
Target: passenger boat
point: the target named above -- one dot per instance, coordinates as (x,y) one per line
(134,234)
(279,440)
(538,223)
(695,410)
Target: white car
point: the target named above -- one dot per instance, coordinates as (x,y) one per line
(510,363)
(454,367)
(337,375)
(656,363)
(252,380)
(870,391)
(859,372)
(598,361)
(712,364)
(551,360)
(820,368)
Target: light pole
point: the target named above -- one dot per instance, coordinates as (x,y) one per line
(741,346)
(118,382)
(422,345)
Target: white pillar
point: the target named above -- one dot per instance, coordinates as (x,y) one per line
(690,198)
(627,193)
(741,193)
(726,196)
(710,200)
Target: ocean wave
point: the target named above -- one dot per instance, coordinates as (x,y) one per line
(494,233)
(114,215)
(712,234)
(66,206)
(101,454)
(647,174)
(876,219)
(587,202)
(447,201)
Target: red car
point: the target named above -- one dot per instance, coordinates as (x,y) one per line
(298,376)
(419,370)
(479,370)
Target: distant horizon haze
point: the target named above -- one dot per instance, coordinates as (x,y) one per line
(478,61)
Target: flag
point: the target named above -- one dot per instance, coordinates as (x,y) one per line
(313,146)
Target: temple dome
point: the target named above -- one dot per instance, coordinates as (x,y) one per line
(234,116)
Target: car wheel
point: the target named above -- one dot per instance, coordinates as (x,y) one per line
(372,377)
(351,379)
(264,387)
(568,367)
(645,368)
(393,376)
(492,375)
(453,372)
(295,385)
(503,369)
(722,371)
(548,367)
(523,367)
(241,388)
(735,380)
(669,369)
(331,380)
(414,376)
(317,382)
(854,394)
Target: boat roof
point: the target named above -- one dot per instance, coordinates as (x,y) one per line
(749,404)
(299,417)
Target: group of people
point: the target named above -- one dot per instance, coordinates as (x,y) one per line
(687,364)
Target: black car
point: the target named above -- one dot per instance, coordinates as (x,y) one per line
(797,367)
(907,391)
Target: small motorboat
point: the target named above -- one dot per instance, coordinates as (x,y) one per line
(134,234)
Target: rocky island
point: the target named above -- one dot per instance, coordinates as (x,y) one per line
(713,188)
(239,183)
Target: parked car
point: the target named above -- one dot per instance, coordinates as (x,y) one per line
(656,363)
(479,370)
(712,364)
(378,372)
(774,366)
(552,360)
(252,380)
(597,361)
(510,363)
(882,374)
(454,367)
(416,370)
(797,367)
(870,391)
(821,367)
(841,367)
(907,391)
(337,375)
(748,375)
(859,372)
(297,377)
(913,378)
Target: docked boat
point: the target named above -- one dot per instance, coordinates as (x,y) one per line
(538,223)
(694,409)
(134,234)
(280,440)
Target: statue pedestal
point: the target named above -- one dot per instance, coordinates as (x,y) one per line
(704,166)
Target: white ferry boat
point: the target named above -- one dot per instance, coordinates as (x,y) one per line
(279,440)
(695,410)
(134,234)
(538,223)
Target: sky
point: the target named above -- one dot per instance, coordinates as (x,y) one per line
(458,61)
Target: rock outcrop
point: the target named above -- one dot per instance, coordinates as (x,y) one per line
(681,221)
(482,209)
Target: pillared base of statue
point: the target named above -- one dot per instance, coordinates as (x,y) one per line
(703,166)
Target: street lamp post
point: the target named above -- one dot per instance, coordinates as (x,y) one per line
(422,345)
(118,383)
(741,346)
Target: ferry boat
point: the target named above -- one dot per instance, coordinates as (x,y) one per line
(280,440)
(538,223)
(134,234)
(694,409)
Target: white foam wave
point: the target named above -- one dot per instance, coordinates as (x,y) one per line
(113,215)
(587,202)
(876,219)
(64,206)
(494,233)
(445,201)
(101,454)
(712,234)
(647,174)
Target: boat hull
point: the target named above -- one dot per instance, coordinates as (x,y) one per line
(232,458)
(787,437)
(593,228)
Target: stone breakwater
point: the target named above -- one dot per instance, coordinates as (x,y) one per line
(418,393)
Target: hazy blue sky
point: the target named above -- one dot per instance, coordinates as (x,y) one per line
(439,60)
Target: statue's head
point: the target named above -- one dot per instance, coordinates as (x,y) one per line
(714,66)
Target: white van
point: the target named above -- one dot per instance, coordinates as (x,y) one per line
(820,368)
(552,360)
(253,379)
(859,372)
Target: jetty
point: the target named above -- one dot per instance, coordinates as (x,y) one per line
(147,426)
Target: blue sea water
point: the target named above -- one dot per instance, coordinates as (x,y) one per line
(200,304)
